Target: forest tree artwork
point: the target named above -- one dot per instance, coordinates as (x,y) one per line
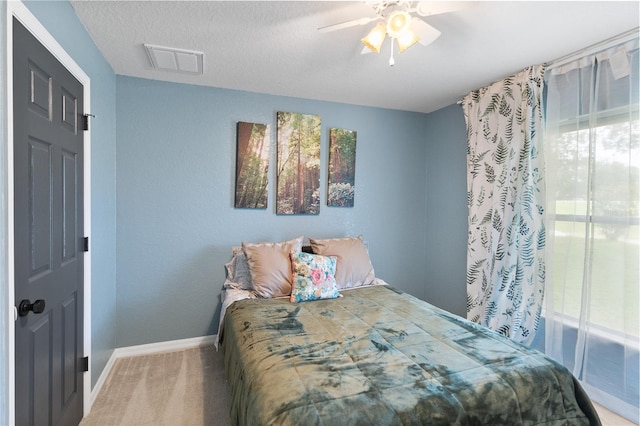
(342,168)
(252,165)
(298,173)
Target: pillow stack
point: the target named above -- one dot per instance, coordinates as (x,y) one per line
(283,270)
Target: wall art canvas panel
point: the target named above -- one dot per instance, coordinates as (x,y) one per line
(298,164)
(252,165)
(342,168)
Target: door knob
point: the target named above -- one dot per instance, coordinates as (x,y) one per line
(25,306)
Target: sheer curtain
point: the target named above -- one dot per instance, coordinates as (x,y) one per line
(505,194)
(592,154)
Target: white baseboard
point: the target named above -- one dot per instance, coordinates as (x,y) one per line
(151,348)
(170,346)
(101,380)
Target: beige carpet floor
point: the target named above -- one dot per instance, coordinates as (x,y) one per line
(183,388)
(186,387)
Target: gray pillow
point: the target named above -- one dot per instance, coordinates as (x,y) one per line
(238,272)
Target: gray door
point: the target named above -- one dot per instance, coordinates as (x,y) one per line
(48,235)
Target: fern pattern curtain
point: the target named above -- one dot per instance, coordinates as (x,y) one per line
(505,195)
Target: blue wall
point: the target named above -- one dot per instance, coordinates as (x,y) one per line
(446,215)
(59,18)
(175,214)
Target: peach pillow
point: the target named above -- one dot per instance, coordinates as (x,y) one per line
(354,268)
(270,266)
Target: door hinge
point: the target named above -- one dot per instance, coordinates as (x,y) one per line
(85,244)
(85,121)
(84,364)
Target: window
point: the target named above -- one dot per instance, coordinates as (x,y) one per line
(592,156)
(611,209)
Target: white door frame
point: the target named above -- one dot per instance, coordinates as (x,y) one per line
(18,10)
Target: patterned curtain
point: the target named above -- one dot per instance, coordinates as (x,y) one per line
(505,254)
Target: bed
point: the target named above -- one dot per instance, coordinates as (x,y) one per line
(372,354)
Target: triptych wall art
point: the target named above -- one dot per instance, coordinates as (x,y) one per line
(297,166)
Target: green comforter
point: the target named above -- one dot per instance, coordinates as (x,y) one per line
(378,356)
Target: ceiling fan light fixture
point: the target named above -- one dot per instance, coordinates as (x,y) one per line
(398,23)
(375,38)
(397,20)
(406,40)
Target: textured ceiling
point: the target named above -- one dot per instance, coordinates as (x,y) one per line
(274,47)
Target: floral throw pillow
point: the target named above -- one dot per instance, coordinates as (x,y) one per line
(313,277)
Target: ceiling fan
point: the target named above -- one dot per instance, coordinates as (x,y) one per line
(398,20)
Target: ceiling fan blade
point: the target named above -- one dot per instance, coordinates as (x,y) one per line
(428,8)
(426,32)
(347,24)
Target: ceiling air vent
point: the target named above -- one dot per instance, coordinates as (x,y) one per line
(176,60)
